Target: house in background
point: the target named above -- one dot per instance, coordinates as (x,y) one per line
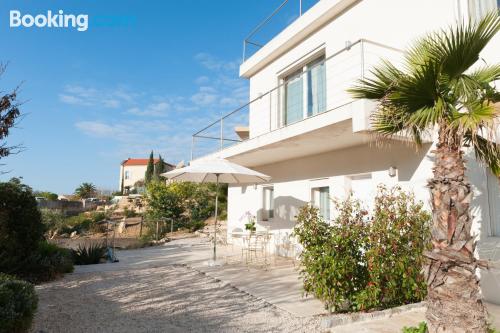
(303,129)
(133,170)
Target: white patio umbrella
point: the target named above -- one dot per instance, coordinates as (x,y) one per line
(217,171)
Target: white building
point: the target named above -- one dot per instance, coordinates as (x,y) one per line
(304,130)
(133,170)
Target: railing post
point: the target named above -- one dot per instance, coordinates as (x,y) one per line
(244,50)
(300,7)
(221,133)
(362,46)
(192,147)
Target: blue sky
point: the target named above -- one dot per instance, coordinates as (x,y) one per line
(118,90)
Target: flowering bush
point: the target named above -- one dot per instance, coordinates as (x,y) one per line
(361,261)
(399,233)
(333,260)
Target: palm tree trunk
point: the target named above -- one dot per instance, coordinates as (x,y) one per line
(453,302)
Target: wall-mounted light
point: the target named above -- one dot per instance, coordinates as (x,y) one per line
(393,171)
(348,45)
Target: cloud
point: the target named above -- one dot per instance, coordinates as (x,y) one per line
(202,80)
(154,110)
(164,122)
(213,63)
(88,96)
(70,99)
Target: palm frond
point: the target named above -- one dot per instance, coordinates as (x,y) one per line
(485,150)
(474,116)
(476,85)
(384,78)
(458,48)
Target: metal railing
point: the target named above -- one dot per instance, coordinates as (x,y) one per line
(289,11)
(312,90)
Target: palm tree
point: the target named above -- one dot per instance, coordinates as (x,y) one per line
(439,91)
(86,190)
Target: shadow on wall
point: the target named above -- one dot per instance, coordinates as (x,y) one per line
(286,208)
(349,161)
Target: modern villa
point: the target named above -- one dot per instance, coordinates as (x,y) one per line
(302,128)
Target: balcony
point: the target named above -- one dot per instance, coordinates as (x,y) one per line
(307,108)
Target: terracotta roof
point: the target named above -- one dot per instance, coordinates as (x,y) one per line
(140,161)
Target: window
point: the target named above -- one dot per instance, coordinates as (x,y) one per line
(127,174)
(293,98)
(321,199)
(316,87)
(305,90)
(268,196)
(479,8)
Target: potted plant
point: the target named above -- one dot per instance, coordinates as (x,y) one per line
(250,225)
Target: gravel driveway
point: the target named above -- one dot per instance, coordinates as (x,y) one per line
(169,299)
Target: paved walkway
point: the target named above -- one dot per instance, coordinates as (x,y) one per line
(279,286)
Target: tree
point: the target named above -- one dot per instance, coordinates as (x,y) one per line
(159,169)
(9,113)
(438,90)
(148,176)
(86,190)
(47,195)
(21,227)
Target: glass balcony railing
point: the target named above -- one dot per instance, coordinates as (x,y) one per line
(287,12)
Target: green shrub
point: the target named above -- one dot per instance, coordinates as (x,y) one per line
(399,234)
(89,255)
(53,219)
(362,261)
(129,212)
(333,256)
(18,303)
(48,263)
(421,328)
(187,204)
(196,225)
(21,226)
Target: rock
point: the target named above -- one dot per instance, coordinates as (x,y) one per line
(73,234)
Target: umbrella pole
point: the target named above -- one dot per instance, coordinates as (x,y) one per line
(216,213)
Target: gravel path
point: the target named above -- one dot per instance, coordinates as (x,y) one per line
(168,299)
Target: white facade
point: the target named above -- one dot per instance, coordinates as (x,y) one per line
(131,174)
(332,152)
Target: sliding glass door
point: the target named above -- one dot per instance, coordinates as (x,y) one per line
(316,87)
(305,92)
(294,98)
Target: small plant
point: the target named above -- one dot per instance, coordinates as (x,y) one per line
(18,303)
(48,263)
(89,255)
(129,212)
(421,328)
(250,225)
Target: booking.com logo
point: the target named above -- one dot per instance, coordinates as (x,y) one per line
(50,20)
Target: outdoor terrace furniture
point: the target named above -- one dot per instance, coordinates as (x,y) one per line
(255,248)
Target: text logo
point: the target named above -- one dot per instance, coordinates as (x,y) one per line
(60,20)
